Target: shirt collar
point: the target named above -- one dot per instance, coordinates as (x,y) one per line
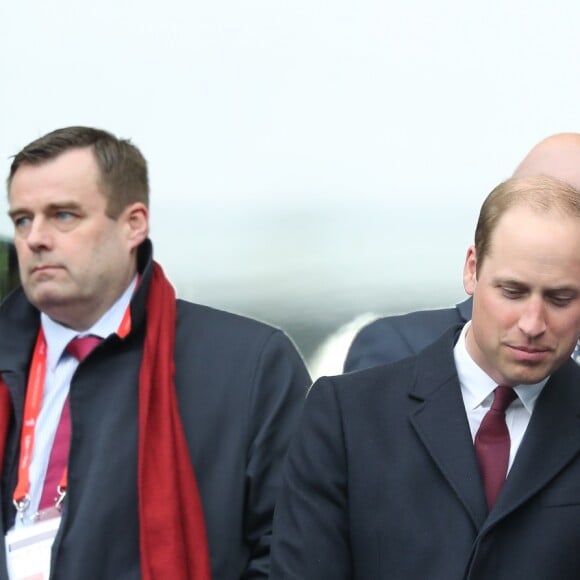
(477,386)
(58,336)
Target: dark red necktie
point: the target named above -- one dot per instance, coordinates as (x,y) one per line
(492,444)
(80,348)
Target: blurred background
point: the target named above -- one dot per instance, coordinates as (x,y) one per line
(313,164)
(8,267)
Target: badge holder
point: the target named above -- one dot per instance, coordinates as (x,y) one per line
(28,547)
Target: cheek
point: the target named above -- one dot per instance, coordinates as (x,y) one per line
(108,254)
(565,325)
(22,254)
(20,246)
(497,314)
(507,317)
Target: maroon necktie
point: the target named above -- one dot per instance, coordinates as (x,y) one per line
(57,462)
(492,444)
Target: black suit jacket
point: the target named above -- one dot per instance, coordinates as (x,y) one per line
(382,482)
(395,337)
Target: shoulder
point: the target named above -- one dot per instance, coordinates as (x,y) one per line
(210,321)
(369,398)
(363,383)
(420,320)
(218,335)
(19,322)
(395,337)
(415,376)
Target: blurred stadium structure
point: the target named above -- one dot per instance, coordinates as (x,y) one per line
(328,359)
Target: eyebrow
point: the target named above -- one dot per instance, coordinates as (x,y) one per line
(51,207)
(509,282)
(519,284)
(564,289)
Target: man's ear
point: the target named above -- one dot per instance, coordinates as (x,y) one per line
(470,271)
(136,217)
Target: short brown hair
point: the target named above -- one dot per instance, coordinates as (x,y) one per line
(542,194)
(122,167)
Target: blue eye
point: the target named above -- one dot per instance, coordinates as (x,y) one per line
(21,222)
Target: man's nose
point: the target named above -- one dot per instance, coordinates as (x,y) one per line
(39,236)
(532,321)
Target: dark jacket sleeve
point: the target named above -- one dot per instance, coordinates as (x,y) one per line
(279,389)
(311,524)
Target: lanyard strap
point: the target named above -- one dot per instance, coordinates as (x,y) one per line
(32,405)
(34,393)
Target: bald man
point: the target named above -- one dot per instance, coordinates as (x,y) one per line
(396,337)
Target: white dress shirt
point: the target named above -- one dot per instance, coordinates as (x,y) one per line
(60,368)
(477,391)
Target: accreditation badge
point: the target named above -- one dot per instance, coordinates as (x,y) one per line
(28,550)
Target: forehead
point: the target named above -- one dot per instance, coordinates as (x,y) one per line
(535,243)
(71,173)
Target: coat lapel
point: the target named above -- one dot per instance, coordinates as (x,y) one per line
(551,441)
(441,423)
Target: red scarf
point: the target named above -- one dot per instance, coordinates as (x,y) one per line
(172,531)
(172,535)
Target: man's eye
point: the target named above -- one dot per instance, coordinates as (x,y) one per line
(560,300)
(512,292)
(21,222)
(64,216)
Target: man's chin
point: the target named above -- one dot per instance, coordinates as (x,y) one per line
(47,299)
(528,374)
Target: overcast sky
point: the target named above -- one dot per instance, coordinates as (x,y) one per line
(342,147)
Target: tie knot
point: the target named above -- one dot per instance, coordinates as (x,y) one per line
(81,347)
(502,398)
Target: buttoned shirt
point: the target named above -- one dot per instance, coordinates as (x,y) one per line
(477,391)
(60,368)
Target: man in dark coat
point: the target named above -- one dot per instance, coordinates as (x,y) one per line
(461,462)
(179,417)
